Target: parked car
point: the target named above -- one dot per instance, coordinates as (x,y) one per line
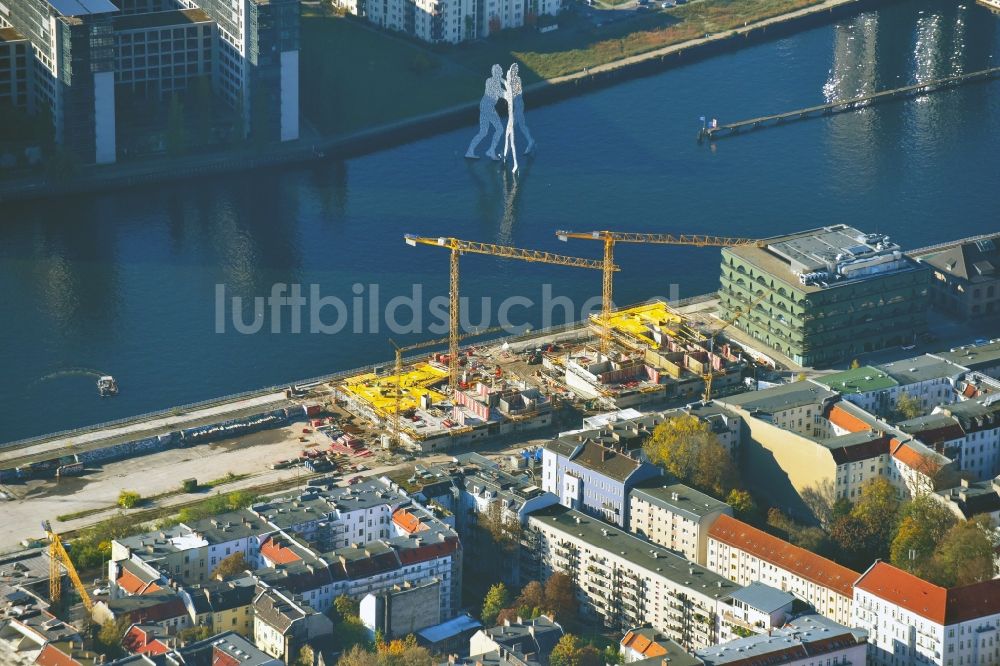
(101,591)
(354,479)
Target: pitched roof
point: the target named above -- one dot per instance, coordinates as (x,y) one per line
(971,260)
(406,521)
(64,654)
(916,456)
(905,590)
(606,461)
(799,561)
(935,603)
(277,552)
(133,582)
(839,416)
(644,642)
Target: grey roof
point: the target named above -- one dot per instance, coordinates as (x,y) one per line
(453,627)
(973,498)
(637,551)
(823,249)
(975,357)
(973,260)
(494,658)
(780,398)
(920,369)
(229,643)
(82,7)
(278,611)
(974,415)
(763,598)
(805,637)
(537,636)
(678,498)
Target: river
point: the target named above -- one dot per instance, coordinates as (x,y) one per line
(128,283)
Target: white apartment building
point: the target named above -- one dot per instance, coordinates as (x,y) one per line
(745,555)
(910,621)
(623,581)
(674,516)
(450,21)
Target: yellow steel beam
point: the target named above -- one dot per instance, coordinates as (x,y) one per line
(458,247)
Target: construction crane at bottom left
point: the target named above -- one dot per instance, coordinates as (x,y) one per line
(57,555)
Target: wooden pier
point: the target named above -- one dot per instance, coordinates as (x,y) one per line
(852,104)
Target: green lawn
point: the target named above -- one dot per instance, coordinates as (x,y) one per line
(355,77)
(360,77)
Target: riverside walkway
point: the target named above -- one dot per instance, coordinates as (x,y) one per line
(851,104)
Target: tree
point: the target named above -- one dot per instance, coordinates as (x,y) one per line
(742,502)
(965,555)
(231,566)
(306,656)
(855,364)
(923,522)
(109,638)
(689,450)
(560,597)
(346,607)
(496,600)
(197,633)
(820,499)
(566,651)
(532,598)
(189,485)
(907,407)
(878,509)
(128,499)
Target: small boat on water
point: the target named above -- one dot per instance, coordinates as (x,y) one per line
(107,386)
(994,5)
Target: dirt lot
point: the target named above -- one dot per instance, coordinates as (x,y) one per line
(149,475)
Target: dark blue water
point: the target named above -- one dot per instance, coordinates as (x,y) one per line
(125,283)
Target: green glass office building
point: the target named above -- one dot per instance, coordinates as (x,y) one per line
(826,295)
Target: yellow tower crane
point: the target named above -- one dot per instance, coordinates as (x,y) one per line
(707,377)
(458,247)
(57,554)
(399,367)
(611,237)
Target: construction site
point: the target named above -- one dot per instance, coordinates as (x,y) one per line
(439,394)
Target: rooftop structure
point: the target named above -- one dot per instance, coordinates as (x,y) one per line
(594,471)
(805,639)
(763,598)
(966,276)
(647,647)
(973,498)
(984,358)
(832,292)
(527,640)
(746,554)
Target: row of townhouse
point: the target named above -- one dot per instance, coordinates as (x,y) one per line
(311,548)
(450,21)
(908,621)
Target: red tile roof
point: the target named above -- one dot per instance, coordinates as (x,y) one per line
(644,646)
(427,551)
(407,522)
(849,422)
(932,602)
(905,590)
(53,656)
(278,553)
(134,585)
(913,459)
(799,561)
